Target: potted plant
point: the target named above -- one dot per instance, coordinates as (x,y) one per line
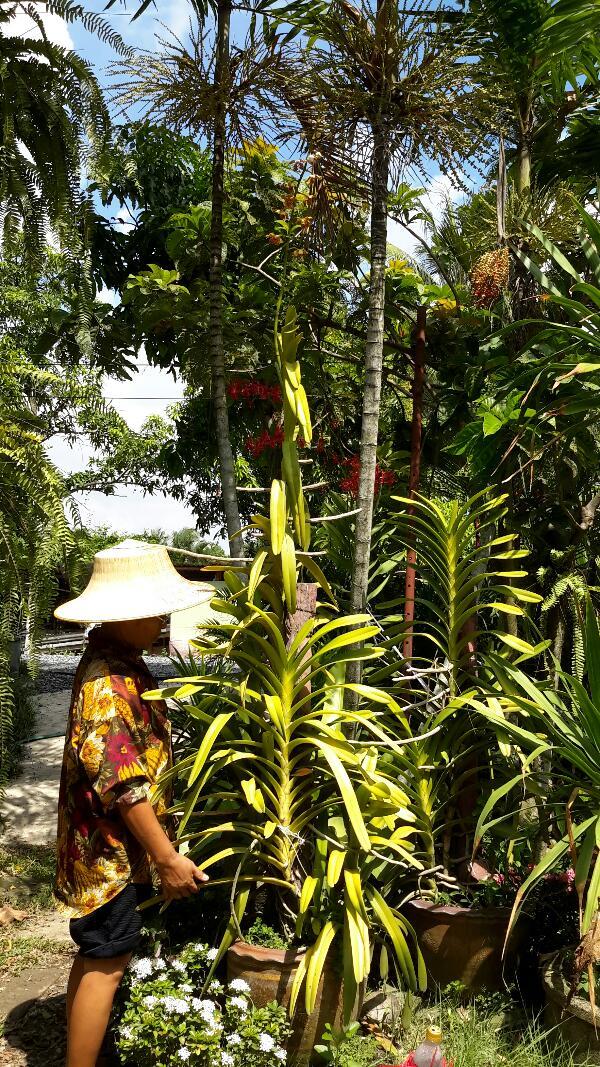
(560,721)
(286,798)
(464,566)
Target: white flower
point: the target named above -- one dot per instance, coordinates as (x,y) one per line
(142,968)
(184,1053)
(205,1007)
(239,985)
(150,1001)
(159,964)
(177,965)
(281,1054)
(199,947)
(212,953)
(187,987)
(266,1043)
(226,1059)
(234,1039)
(176,1005)
(126,1032)
(215,987)
(239,1002)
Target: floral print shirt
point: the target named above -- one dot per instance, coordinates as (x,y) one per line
(117,745)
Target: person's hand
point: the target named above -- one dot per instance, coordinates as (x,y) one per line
(179,877)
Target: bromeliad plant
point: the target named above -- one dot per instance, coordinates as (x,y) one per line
(287,789)
(562,725)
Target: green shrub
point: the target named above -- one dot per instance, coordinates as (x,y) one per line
(347,1047)
(167,1020)
(262,934)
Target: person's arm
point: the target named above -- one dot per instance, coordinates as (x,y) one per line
(179,875)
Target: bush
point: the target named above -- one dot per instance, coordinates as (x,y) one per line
(167,1020)
(20,726)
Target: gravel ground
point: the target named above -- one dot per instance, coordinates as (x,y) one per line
(56,671)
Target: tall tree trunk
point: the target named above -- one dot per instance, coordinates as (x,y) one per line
(525,127)
(216,343)
(418,384)
(373,370)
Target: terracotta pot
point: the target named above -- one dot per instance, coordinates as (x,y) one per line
(270,973)
(465,944)
(575,1022)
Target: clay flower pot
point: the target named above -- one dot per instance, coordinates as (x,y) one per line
(575,1022)
(270,973)
(464,944)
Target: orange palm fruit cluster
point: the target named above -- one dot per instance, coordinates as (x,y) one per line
(490,276)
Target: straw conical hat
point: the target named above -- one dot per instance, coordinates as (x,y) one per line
(131,580)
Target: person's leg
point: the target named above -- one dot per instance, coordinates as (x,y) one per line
(73,983)
(91,1006)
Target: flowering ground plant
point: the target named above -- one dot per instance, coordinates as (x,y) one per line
(166,1020)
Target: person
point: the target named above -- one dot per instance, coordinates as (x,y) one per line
(113,806)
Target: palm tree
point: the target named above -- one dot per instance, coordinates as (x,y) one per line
(541,59)
(53,112)
(383,88)
(210,88)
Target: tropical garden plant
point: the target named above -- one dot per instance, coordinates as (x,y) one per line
(469,581)
(166,1019)
(34,539)
(553,731)
(279,789)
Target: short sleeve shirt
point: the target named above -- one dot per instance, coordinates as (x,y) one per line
(116,748)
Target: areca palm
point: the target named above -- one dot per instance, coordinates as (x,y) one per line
(52,112)
(224,93)
(380,88)
(533,51)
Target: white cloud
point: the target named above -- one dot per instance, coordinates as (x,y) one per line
(22,25)
(441,188)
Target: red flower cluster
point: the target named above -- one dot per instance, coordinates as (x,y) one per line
(383,479)
(240,389)
(566,878)
(257,445)
(512,879)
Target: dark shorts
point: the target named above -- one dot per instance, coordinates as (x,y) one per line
(114,928)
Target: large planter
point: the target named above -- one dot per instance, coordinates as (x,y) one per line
(575,1022)
(465,944)
(270,973)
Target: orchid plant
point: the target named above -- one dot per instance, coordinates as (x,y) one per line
(286,788)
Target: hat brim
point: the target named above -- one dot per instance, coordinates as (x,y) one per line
(160,599)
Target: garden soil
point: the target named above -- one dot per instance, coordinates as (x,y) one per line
(33,1030)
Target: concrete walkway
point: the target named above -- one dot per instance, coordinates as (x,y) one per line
(29,803)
